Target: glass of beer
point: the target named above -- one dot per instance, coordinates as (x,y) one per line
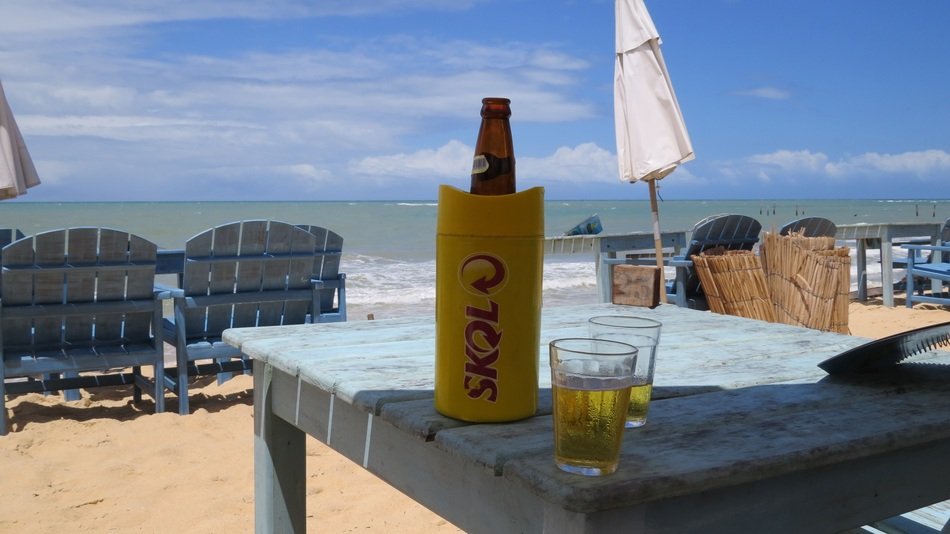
(590,385)
(644,334)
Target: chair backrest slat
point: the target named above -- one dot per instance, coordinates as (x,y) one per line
(226,242)
(249,272)
(51,287)
(84,283)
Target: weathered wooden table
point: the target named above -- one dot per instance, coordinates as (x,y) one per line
(882,235)
(747,433)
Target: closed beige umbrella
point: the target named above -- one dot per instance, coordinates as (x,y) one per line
(17,172)
(651,134)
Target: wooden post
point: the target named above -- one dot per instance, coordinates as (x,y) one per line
(657,240)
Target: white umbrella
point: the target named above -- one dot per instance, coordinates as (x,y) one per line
(17,172)
(651,133)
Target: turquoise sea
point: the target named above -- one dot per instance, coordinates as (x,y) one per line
(389,247)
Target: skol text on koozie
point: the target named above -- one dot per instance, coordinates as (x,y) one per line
(482,275)
(488,304)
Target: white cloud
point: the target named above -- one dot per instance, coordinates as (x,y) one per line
(684,176)
(37,16)
(584,163)
(373,88)
(141,128)
(797,165)
(916,163)
(304,170)
(769,93)
(97,105)
(790,160)
(448,161)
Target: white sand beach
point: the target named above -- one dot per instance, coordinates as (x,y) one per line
(101,464)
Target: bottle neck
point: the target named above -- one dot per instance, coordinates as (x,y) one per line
(496,108)
(493,167)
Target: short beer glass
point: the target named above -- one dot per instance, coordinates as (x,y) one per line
(644,334)
(590,385)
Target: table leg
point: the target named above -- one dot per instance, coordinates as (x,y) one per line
(887,270)
(861,258)
(605,275)
(279,464)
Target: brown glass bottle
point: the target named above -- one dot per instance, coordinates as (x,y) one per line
(493,168)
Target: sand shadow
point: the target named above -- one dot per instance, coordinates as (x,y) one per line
(116,402)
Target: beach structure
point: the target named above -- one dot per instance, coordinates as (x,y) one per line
(241,274)
(78,309)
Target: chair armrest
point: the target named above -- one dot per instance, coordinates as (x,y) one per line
(681,261)
(338,282)
(164,292)
(941,248)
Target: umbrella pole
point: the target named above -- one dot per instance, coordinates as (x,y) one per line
(657,239)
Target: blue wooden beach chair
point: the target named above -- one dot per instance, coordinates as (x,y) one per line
(919,257)
(935,268)
(78,309)
(729,231)
(810,227)
(247,273)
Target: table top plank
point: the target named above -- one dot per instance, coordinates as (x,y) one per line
(724,438)
(733,437)
(880,230)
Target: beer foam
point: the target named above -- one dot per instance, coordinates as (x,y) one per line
(591,383)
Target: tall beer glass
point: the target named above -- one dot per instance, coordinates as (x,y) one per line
(644,334)
(590,385)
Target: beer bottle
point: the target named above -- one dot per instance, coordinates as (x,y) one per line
(493,168)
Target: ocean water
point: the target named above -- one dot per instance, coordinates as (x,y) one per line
(389,247)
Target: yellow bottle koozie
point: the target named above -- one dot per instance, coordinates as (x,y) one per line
(489,261)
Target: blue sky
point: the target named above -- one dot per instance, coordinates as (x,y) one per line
(379,99)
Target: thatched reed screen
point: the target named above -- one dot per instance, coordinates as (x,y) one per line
(808,280)
(734,283)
